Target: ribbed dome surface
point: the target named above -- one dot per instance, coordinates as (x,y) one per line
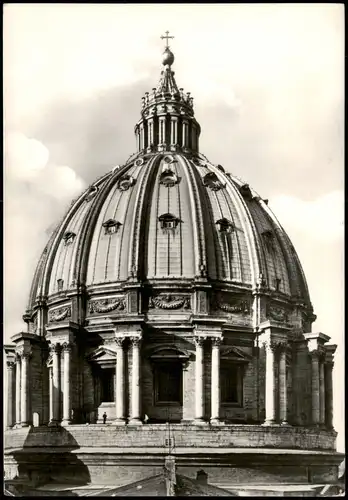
(169,216)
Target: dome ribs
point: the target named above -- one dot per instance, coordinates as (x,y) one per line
(139,219)
(199,232)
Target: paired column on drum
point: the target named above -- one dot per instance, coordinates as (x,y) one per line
(276,398)
(66,349)
(199,380)
(18,389)
(120,382)
(135,383)
(329,364)
(270,388)
(23,355)
(55,385)
(215,380)
(283,384)
(317,352)
(11,365)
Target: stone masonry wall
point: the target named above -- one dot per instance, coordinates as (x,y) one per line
(227,436)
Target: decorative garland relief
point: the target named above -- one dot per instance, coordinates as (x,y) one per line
(106,305)
(170,301)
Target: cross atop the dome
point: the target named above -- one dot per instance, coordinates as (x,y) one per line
(166,37)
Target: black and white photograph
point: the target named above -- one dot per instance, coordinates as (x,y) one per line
(173,249)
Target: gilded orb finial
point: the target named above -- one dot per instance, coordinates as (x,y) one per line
(168,56)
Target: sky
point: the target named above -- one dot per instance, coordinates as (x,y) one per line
(268,88)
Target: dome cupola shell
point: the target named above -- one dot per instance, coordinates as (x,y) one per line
(169,216)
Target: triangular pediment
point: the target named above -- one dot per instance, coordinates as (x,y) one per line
(101,354)
(169,352)
(235,354)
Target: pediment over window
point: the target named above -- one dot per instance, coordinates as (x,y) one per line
(225,225)
(164,353)
(168,221)
(212,181)
(102,356)
(235,354)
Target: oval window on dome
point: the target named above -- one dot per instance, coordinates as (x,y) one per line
(168,159)
(125,182)
(139,162)
(68,238)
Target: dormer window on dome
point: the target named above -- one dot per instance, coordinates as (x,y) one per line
(212,181)
(168,177)
(111,226)
(245,191)
(168,222)
(225,225)
(68,238)
(268,238)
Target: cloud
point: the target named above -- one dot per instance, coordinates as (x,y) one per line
(37,193)
(320,219)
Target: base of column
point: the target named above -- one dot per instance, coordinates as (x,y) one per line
(65,423)
(216,421)
(53,423)
(17,426)
(200,421)
(119,421)
(25,424)
(268,423)
(284,423)
(135,421)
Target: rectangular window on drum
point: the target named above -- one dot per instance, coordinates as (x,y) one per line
(231,384)
(168,383)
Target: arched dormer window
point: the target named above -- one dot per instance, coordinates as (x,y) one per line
(268,238)
(245,191)
(168,178)
(111,226)
(68,238)
(225,225)
(212,181)
(168,222)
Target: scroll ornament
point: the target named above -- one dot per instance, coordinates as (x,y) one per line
(169,301)
(106,305)
(59,314)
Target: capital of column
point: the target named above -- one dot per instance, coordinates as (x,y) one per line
(119,341)
(67,347)
(199,341)
(216,341)
(135,341)
(55,348)
(23,352)
(317,354)
(275,345)
(10,365)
